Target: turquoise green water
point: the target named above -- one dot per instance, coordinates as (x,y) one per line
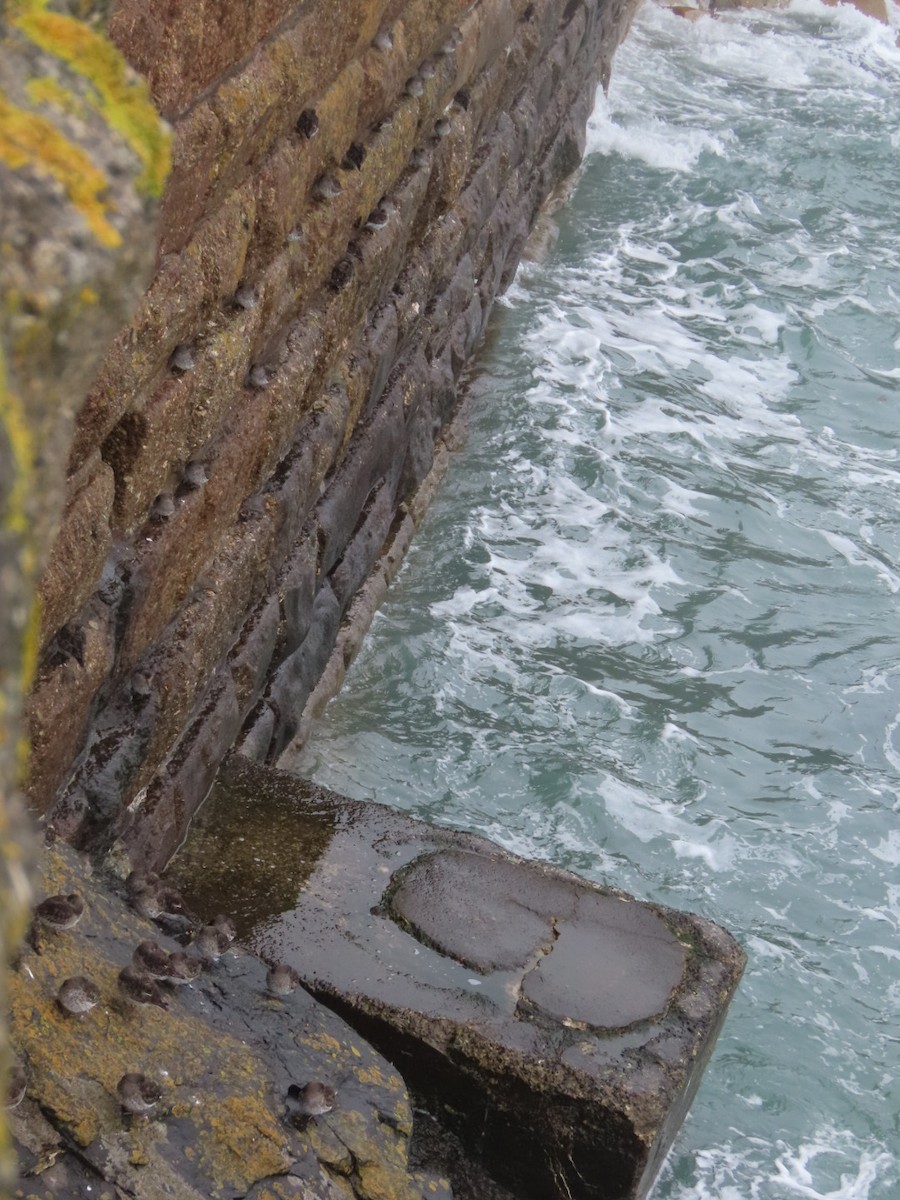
(650,628)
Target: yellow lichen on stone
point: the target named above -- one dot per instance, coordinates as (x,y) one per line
(50,91)
(13,420)
(14,519)
(121,98)
(30,140)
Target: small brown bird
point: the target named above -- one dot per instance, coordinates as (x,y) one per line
(18,1082)
(181,359)
(56,912)
(211,943)
(183,968)
(78,995)
(312,1100)
(138,1094)
(224,925)
(145,901)
(282,979)
(149,958)
(60,912)
(140,989)
(139,879)
(326,187)
(258,377)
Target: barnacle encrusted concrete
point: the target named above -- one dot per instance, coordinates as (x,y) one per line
(556,1027)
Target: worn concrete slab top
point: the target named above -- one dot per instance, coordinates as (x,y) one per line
(557,1027)
(584,958)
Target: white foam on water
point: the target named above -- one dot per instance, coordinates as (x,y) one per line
(662,646)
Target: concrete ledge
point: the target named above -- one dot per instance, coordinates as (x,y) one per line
(557,1028)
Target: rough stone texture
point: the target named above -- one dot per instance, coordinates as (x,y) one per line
(558,1028)
(224,1054)
(297,358)
(82,158)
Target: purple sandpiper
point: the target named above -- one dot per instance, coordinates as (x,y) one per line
(181,360)
(224,925)
(313,1099)
(137,1093)
(145,901)
(326,187)
(60,912)
(183,968)
(383,41)
(78,995)
(245,297)
(282,979)
(149,958)
(140,989)
(138,879)
(211,943)
(56,912)
(18,1082)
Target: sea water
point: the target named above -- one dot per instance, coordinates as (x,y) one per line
(650,629)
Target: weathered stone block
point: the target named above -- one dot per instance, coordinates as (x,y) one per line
(296,676)
(558,1027)
(75,664)
(80,549)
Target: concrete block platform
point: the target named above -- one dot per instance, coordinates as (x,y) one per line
(556,1028)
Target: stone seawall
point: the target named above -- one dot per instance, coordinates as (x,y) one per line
(351,187)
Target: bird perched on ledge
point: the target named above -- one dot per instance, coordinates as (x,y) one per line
(183,968)
(149,958)
(282,979)
(56,912)
(18,1082)
(138,1094)
(211,943)
(311,1100)
(140,989)
(78,995)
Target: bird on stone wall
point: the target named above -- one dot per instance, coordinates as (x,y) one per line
(182,359)
(78,995)
(150,959)
(211,943)
(140,989)
(282,979)
(138,1094)
(182,969)
(311,1100)
(18,1083)
(59,913)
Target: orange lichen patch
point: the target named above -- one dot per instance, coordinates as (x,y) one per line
(378,1182)
(371,1075)
(325,1042)
(209,1078)
(246,1142)
(121,97)
(30,140)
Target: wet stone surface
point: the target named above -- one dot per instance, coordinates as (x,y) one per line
(554,1028)
(223,1056)
(586,958)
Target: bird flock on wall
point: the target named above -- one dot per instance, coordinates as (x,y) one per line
(151,978)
